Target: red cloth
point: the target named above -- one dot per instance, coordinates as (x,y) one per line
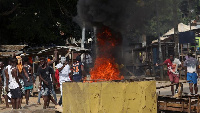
(169,65)
(30,60)
(57,76)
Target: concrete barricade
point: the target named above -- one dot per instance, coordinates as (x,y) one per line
(110,97)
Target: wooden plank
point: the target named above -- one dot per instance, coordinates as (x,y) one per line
(181,105)
(172,109)
(176,109)
(170,85)
(173,99)
(192,96)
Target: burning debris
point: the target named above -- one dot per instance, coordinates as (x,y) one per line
(112,19)
(105,67)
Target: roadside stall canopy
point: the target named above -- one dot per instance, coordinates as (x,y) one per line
(181,28)
(9,50)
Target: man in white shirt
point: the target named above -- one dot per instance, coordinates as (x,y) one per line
(64,70)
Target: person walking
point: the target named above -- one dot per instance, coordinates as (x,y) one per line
(44,73)
(28,78)
(191,69)
(172,72)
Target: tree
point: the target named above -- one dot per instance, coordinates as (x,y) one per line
(38,22)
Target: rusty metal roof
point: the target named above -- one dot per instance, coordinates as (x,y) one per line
(9,50)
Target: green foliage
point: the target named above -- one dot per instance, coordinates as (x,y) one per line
(38,22)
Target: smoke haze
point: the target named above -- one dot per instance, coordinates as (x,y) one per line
(119,15)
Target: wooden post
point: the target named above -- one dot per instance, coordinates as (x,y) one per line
(195,50)
(167,51)
(189,108)
(182,51)
(188,47)
(176,37)
(182,106)
(165,106)
(0,97)
(152,61)
(198,105)
(72,57)
(146,54)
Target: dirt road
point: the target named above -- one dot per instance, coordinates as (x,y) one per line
(33,107)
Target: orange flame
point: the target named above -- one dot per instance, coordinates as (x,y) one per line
(105,68)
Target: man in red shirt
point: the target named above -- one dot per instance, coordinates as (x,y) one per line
(173,75)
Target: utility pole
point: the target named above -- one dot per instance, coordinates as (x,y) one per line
(83,36)
(189,8)
(95,42)
(159,44)
(176,38)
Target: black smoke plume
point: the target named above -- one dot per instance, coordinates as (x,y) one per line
(119,15)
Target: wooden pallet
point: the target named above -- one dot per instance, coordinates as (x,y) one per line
(187,103)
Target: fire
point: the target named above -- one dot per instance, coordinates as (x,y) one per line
(105,68)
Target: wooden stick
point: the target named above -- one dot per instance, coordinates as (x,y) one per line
(171,85)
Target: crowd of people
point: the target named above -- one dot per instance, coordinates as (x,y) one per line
(18,75)
(191,68)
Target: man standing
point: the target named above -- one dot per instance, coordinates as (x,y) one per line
(44,73)
(14,85)
(7,73)
(191,69)
(64,70)
(78,69)
(28,78)
(172,71)
(1,79)
(4,92)
(48,63)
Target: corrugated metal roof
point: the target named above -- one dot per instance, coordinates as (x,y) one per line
(181,28)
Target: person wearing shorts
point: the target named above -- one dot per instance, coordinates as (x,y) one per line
(16,93)
(191,68)
(14,85)
(45,72)
(28,78)
(173,77)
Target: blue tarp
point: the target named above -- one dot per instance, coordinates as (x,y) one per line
(187,37)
